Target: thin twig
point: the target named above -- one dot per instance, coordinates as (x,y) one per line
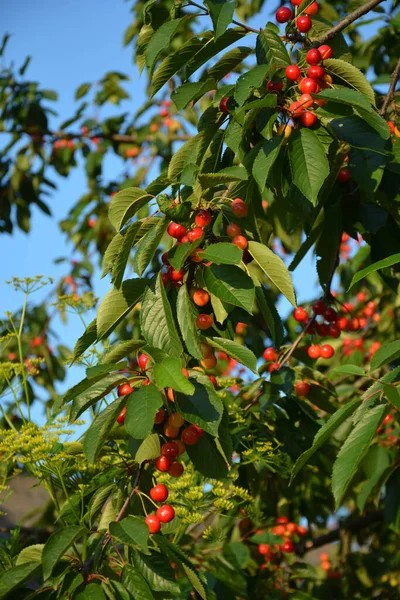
(285,358)
(389,96)
(359,12)
(207,12)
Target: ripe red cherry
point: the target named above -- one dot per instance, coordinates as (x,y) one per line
(302,531)
(159,493)
(314,351)
(176,230)
(209,362)
(305,101)
(325,51)
(319,307)
(124,389)
(291,528)
(308,119)
(303,23)
(344,175)
(287,546)
(293,72)
(176,420)
(302,388)
(204,321)
(274,86)
(213,381)
(165,513)
(170,450)
(170,431)
(308,85)
(199,430)
(240,241)
(190,436)
(296,2)
(313,56)
(330,315)
(176,469)
(160,416)
(165,278)
(153,523)
(233,230)
(146,382)
(200,297)
(121,416)
(162,463)
(300,314)
(239,208)
(176,275)
(315,72)
(195,234)
(270,354)
(282,520)
(296,109)
(203,218)
(312,9)
(142,361)
(263,549)
(196,255)
(283,14)
(275,366)
(164,258)
(327,351)
(322,329)
(334,330)
(223,105)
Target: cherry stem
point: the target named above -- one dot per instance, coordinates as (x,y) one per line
(389,96)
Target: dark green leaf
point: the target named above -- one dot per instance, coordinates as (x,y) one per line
(148,449)
(221,12)
(223,254)
(117,304)
(230,284)
(270,50)
(380,264)
(236,351)
(349,74)
(265,159)
(385,354)
(308,163)
(98,431)
(186,314)
(161,40)
(191,92)
(87,339)
(148,245)
(204,408)
(57,545)
(125,205)
(252,79)
(132,531)
(142,406)
(135,583)
(275,268)
(13,577)
(168,374)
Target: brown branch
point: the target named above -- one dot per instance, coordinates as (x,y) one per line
(359,12)
(389,96)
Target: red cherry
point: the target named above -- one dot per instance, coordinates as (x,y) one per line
(305,101)
(334,330)
(342,323)
(302,531)
(165,278)
(176,469)
(184,239)
(164,258)
(153,523)
(275,366)
(315,72)
(344,175)
(327,351)
(162,463)
(300,314)
(176,230)
(203,218)
(270,354)
(322,329)
(241,328)
(319,307)
(283,14)
(125,389)
(190,436)
(282,520)
(293,72)
(330,315)
(239,208)
(195,234)
(213,381)
(170,431)
(296,2)
(165,513)
(264,549)
(199,430)
(223,105)
(302,388)
(325,51)
(159,493)
(308,119)
(308,85)
(196,255)
(279,530)
(240,241)
(313,56)
(201,297)
(176,420)
(176,275)
(160,416)
(387,419)
(303,24)
(312,9)
(209,362)
(287,546)
(142,361)
(121,416)
(170,450)
(274,86)
(204,321)
(296,109)
(314,351)
(233,230)
(291,528)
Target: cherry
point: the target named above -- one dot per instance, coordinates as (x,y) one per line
(291,528)
(308,85)
(312,9)
(274,86)
(283,14)
(282,520)
(176,469)
(302,388)
(201,297)
(170,431)
(195,234)
(199,430)
(164,258)
(121,416)
(162,463)
(391,126)
(170,394)
(300,314)
(264,549)
(275,366)
(203,218)
(313,56)
(160,416)
(325,51)
(344,175)
(170,449)
(305,101)
(165,513)
(176,275)
(184,239)
(176,230)
(314,351)
(334,330)
(204,321)
(296,2)
(387,419)
(303,24)
(213,381)
(125,389)
(185,372)
(142,361)
(209,362)
(293,72)
(165,278)
(342,323)
(308,119)
(279,530)
(315,72)
(302,531)
(190,436)
(270,354)
(241,328)
(330,315)
(296,109)
(233,230)
(206,350)
(239,208)
(287,546)
(240,241)
(327,351)
(159,493)
(319,307)
(153,523)
(196,255)
(176,420)
(322,329)
(223,105)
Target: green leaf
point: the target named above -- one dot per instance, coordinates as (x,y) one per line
(227,63)
(212,47)
(325,433)
(132,531)
(191,92)
(230,284)
(221,13)
(161,40)
(57,545)
(157,321)
(178,254)
(207,459)
(275,268)
(327,246)
(270,314)
(135,583)
(223,254)
(349,74)
(111,253)
(186,314)
(380,264)
(238,554)
(125,205)
(240,353)
(30,554)
(148,449)
(121,259)
(141,408)
(357,132)
(344,95)
(204,408)
(117,304)
(353,451)
(252,79)
(148,245)
(98,388)
(13,577)
(82,90)
(96,435)
(270,50)
(93,591)
(168,374)
(186,154)
(156,570)
(308,163)
(392,394)
(87,339)
(266,538)
(385,354)
(209,180)
(265,160)
(121,350)
(349,370)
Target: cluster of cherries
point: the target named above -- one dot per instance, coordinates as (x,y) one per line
(327,566)
(303,22)
(164,513)
(287,530)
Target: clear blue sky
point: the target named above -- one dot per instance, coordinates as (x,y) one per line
(72,42)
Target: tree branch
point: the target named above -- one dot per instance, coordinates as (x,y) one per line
(389,96)
(359,12)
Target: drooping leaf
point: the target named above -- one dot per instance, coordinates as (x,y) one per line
(385,354)
(308,163)
(212,47)
(141,408)
(30,554)
(161,40)
(191,92)
(270,314)
(221,13)
(148,245)
(393,395)
(230,284)
(223,253)
(97,388)
(186,314)
(135,583)
(252,79)
(125,205)
(240,353)
(87,339)
(148,449)
(99,429)
(204,408)
(275,268)
(117,304)
(270,50)
(16,576)
(168,374)
(121,350)
(121,259)
(157,571)
(57,545)
(131,531)
(350,75)
(207,459)
(265,159)
(380,264)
